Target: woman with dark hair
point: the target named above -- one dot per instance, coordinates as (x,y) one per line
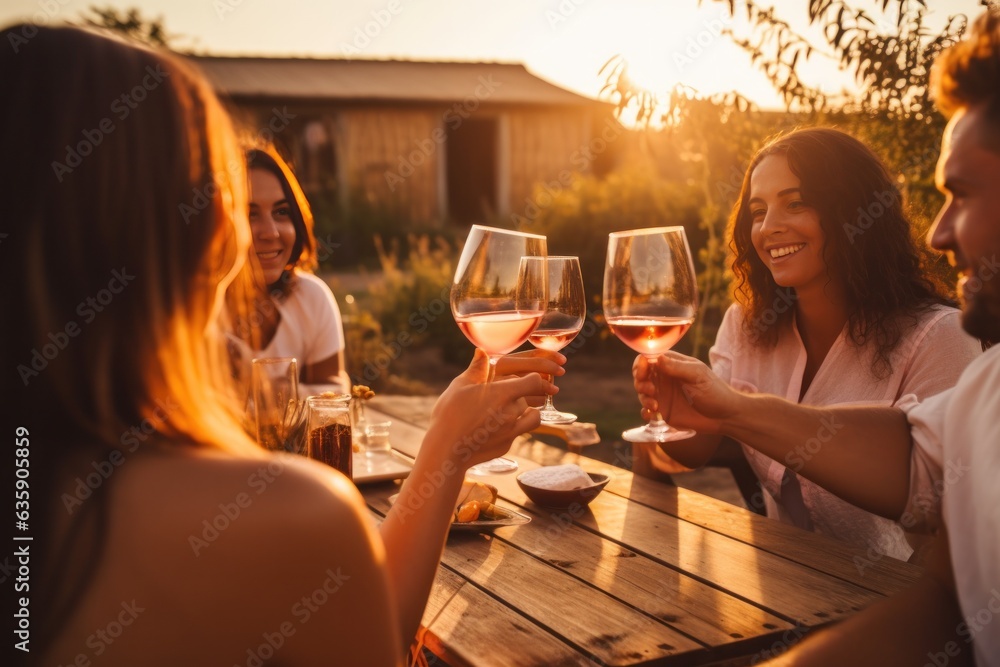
(150,506)
(294,313)
(832,306)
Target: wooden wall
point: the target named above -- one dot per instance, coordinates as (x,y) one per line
(392,156)
(544,147)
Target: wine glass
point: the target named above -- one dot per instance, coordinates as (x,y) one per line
(497,300)
(650,301)
(564,313)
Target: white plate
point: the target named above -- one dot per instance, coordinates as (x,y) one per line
(381,468)
(507,518)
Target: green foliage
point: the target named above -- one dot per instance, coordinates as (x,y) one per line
(414,294)
(889,55)
(128,23)
(890,59)
(578,219)
(409,308)
(353,230)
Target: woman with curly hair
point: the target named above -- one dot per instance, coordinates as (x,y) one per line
(832,306)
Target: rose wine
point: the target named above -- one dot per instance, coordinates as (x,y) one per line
(649,335)
(552,339)
(499,332)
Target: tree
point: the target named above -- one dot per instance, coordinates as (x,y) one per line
(128,23)
(889,53)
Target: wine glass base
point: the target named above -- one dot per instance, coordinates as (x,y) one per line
(647,434)
(556,417)
(498,466)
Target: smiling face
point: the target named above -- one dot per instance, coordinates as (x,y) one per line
(785,232)
(967,228)
(271,224)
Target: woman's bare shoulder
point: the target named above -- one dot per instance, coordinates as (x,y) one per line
(271,491)
(238,543)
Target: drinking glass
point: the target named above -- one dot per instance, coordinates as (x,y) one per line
(377,439)
(650,301)
(328,423)
(565,311)
(497,300)
(276,407)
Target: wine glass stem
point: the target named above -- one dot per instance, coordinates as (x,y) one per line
(549,407)
(491,373)
(657,420)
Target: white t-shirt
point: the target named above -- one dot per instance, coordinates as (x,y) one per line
(929,359)
(311,328)
(956,457)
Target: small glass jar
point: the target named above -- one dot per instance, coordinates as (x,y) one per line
(328,429)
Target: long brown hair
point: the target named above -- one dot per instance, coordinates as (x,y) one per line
(125,214)
(868,238)
(250,301)
(303,255)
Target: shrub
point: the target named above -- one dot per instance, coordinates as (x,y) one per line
(578,219)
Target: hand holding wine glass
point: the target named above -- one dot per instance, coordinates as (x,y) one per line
(564,314)
(498,300)
(650,301)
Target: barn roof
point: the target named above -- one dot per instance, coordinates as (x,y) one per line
(382,80)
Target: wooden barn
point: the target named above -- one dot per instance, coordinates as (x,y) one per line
(429,141)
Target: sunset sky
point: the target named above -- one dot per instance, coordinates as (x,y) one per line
(564,41)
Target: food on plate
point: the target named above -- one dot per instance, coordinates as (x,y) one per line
(475,501)
(362,392)
(557,478)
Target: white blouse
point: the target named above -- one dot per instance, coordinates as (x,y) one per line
(930,357)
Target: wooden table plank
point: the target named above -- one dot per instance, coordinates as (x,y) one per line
(707,614)
(569,607)
(649,574)
(883,574)
(785,588)
(466,626)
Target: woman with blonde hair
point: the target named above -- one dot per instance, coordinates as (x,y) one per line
(151,510)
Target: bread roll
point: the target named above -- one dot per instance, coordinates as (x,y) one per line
(472,497)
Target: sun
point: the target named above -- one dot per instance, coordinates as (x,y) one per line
(648,68)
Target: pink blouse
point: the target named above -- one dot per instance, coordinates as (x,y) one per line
(929,359)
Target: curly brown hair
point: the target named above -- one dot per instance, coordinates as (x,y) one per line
(867,237)
(967,74)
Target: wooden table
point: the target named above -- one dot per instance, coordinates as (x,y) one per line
(648,574)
